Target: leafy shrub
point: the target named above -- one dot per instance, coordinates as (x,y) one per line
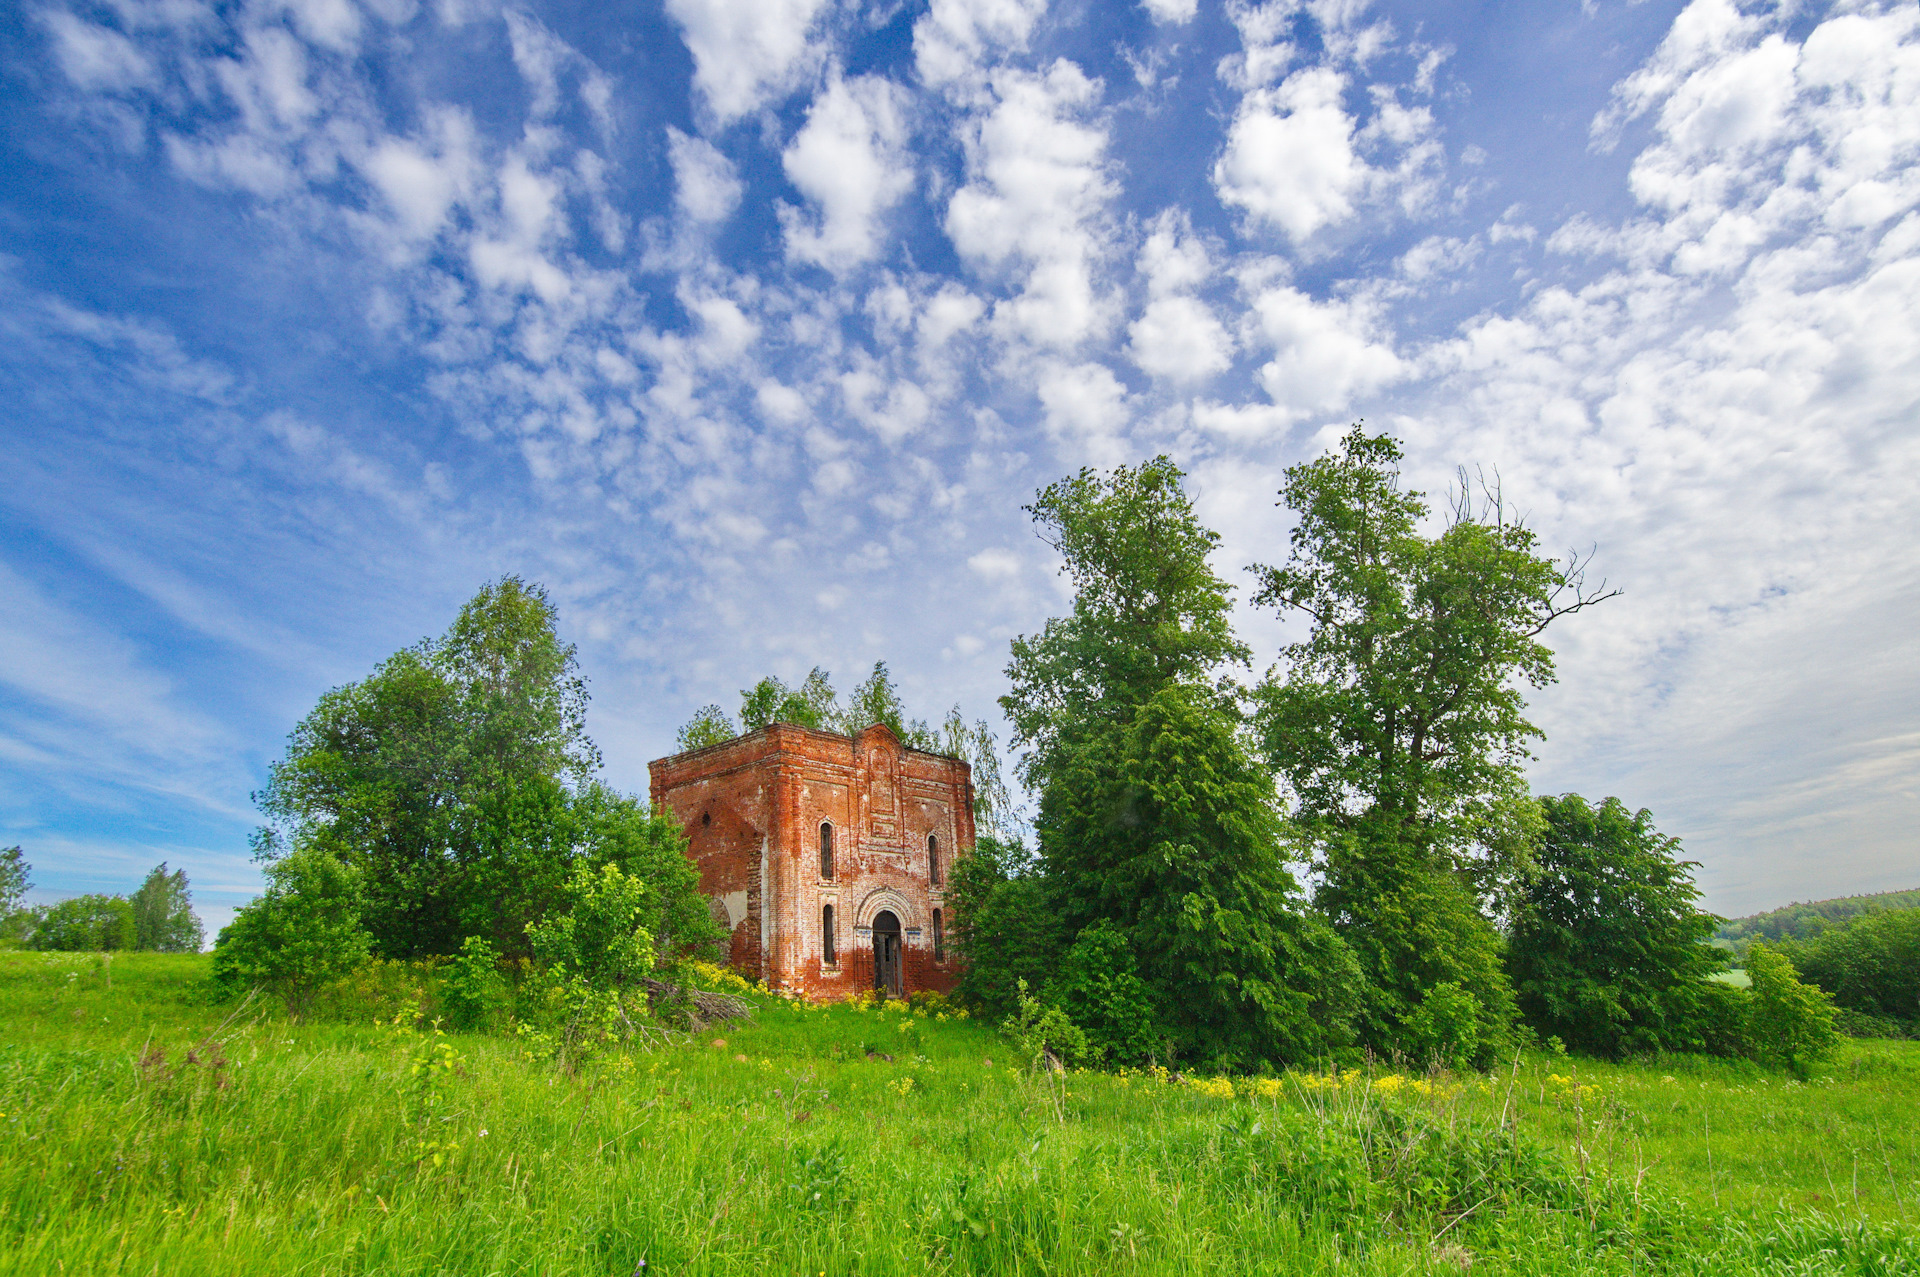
(593,954)
(477,997)
(1043,1036)
(1870,966)
(1790,1023)
(1098,989)
(1607,949)
(86,923)
(1445,1028)
(300,935)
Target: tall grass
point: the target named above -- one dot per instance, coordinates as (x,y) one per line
(145,1131)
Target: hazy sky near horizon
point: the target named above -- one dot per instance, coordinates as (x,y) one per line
(747,326)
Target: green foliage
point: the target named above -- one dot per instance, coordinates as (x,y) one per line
(1003,926)
(1102,994)
(86,923)
(15,877)
(1165,827)
(1412,924)
(1800,921)
(429,775)
(1403,699)
(1445,1028)
(477,997)
(1790,1024)
(1148,612)
(1608,950)
(1153,816)
(1870,965)
(300,934)
(649,848)
(1043,1035)
(813,704)
(709,726)
(163,916)
(594,953)
(1398,724)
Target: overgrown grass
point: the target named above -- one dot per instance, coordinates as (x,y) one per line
(791,1143)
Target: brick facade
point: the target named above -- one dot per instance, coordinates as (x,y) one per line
(753,809)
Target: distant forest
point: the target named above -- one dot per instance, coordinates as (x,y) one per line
(1799,921)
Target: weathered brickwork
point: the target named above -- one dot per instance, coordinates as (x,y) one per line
(753,809)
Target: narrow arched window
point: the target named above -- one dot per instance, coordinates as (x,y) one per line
(939,937)
(933,859)
(826,849)
(829,944)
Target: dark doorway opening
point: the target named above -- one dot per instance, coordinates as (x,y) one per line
(888,977)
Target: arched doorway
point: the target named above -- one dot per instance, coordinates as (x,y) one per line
(889,977)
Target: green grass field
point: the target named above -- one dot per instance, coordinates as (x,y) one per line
(779,1145)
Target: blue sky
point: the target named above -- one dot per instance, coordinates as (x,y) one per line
(748,325)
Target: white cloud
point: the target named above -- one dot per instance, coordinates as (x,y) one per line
(1172,11)
(1326,354)
(1289,159)
(995,564)
(1086,405)
(1179,339)
(747,53)
(96,57)
(705,186)
(851,161)
(1036,197)
(955,41)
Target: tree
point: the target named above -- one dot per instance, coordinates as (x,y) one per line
(416,775)
(650,848)
(1871,965)
(16,920)
(1790,1023)
(1398,724)
(1166,827)
(594,953)
(1608,950)
(709,726)
(163,917)
(1153,818)
(1148,611)
(301,934)
(15,875)
(1005,929)
(91,923)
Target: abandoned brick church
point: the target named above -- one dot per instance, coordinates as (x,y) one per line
(825,856)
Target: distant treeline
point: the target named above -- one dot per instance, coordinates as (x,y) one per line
(1800,921)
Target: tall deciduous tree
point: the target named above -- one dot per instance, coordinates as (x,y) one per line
(1148,612)
(1153,818)
(1399,724)
(163,917)
(1608,947)
(443,779)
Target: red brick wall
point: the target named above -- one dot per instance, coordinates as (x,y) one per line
(752,809)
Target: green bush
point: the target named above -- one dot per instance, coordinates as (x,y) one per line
(86,923)
(1044,1036)
(1790,1024)
(593,954)
(1445,1028)
(302,934)
(477,997)
(1101,993)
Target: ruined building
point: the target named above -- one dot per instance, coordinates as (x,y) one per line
(825,856)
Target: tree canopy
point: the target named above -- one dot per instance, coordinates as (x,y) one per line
(1608,949)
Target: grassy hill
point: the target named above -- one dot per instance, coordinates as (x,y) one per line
(143,1131)
(1799,920)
